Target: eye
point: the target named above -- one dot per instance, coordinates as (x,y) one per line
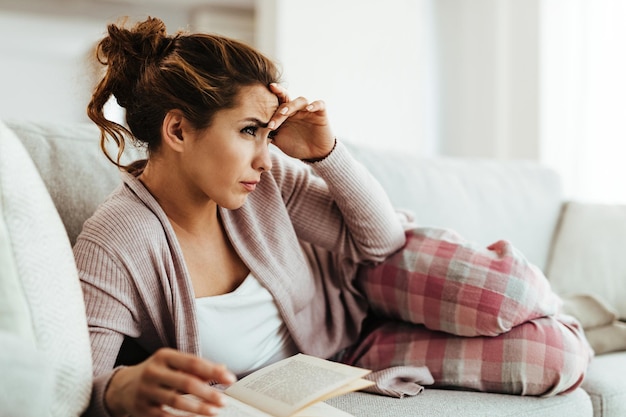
(250,130)
(272,134)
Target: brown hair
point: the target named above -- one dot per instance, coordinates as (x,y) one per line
(150,73)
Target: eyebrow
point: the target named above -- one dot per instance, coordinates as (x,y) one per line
(255,121)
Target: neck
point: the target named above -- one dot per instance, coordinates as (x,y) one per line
(187,212)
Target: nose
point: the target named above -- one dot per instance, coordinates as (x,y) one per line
(262,161)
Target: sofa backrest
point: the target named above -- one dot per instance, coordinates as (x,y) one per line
(73,167)
(484,200)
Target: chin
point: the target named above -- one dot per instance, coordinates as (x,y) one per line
(233,205)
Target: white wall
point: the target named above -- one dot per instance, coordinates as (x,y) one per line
(431,77)
(537,79)
(489,60)
(47,72)
(372,62)
(43,74)
(421,76)
(583,94)
(235,23)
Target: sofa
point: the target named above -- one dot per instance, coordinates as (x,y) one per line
(53,176)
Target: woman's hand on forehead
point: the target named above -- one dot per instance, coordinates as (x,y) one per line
(304,128)
(280,92)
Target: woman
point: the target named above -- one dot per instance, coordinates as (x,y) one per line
(216,244)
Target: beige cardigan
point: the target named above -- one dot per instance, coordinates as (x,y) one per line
(302,234)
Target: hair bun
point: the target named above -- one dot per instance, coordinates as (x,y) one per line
(128,51)
(143,41)
(149,37)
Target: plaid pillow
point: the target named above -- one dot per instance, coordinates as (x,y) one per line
(446,283)
(430,297)
(545,356)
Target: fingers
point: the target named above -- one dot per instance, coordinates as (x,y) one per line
(188,374)
(171,404)
(316,106)
(280,92)
(287,108)
(301,128)
(168,378)
(188,403)
(193,365)
(292,108)
(171,383)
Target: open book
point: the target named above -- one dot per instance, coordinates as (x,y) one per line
(292,387)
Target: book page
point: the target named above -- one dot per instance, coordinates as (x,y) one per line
(322,410)
(233,408)
(289,385)
(236,408)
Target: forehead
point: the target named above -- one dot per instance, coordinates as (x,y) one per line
(256,101)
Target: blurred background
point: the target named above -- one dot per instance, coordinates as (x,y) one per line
(507,79)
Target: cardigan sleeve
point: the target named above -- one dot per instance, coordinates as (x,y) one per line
(109,309)
(338,205)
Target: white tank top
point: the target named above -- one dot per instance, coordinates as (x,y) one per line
(243,329)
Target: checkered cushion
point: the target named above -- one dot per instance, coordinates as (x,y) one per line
(439,290)
(449,284)
(544,356)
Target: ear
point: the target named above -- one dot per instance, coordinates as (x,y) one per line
(172,130)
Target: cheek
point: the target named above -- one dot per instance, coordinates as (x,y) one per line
(226,167)
(223,162)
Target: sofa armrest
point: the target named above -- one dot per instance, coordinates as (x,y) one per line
(27,383)
(588,254)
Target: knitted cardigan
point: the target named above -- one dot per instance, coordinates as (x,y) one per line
(302,233)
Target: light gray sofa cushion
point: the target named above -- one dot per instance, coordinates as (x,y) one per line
(483,200)
(606,385)
(445,403)
(580,265)
(71,164)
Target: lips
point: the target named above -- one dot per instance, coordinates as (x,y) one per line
(249,185)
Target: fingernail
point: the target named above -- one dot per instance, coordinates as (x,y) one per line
(309,107)
(221,400)
(230,377)
(284,110)
(271,124)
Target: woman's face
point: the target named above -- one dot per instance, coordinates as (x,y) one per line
(224,162)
